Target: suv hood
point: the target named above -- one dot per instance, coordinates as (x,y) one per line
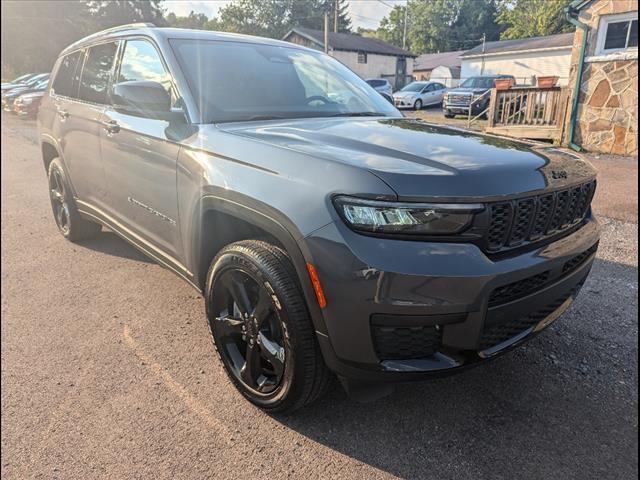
(457,91)
(419,160)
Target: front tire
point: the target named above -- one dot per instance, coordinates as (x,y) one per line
(262,329)
(417,105)
(68,220)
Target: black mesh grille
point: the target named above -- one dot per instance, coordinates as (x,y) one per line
(521,221)
(530,219)
(526,286)
(545,208)
(518,289)
(398,343)
(578,259)
(500,220)
(497,334)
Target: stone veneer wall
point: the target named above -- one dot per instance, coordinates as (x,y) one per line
(608,109)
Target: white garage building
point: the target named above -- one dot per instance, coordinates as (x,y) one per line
(524,58)
(368,57)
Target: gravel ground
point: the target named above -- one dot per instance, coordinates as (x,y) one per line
(108,372)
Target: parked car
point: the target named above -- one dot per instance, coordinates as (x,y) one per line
(9,97)
(30,82)
(18,80)
(419,94)
(457,100)
(26,105)
(381,85)
(325,237)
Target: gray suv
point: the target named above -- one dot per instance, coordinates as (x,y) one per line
(327,233)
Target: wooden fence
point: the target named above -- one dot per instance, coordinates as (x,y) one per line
(528,112)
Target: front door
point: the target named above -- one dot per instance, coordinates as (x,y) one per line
(140,161)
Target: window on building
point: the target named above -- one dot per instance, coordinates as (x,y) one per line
(617,33)
(362,57)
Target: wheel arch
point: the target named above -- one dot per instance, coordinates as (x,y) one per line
(49,152)
(240,222)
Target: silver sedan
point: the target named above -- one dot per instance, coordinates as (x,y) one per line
(420,94)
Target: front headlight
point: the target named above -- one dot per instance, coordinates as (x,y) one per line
(24,100)
(405,218)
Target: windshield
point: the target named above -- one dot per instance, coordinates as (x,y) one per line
(478,82)
(234,81)
(413,87)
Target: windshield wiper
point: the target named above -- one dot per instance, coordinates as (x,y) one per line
(357,114)
(264,117)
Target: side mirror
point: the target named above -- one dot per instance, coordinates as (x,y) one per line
(142,98)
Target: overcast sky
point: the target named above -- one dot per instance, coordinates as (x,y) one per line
(364,13)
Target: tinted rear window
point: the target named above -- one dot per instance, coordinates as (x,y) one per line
(96,73)
(376,83)
(67,78)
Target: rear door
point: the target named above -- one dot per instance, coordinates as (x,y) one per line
(140,161)
(80,116)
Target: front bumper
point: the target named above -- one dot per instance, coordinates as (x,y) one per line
(389,300)
(404,103)
(462,109)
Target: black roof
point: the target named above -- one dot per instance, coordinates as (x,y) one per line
(533,43)
(351,42)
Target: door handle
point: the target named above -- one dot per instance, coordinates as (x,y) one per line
(111,126)
(63,114)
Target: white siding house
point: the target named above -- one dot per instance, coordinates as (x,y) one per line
(368,57)
(525,59)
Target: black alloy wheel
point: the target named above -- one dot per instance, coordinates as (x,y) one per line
(248,331)
(68,220)
(59,203)
(261,327)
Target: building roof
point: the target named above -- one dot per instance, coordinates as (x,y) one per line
(429,61)
(562,40)
(350,42)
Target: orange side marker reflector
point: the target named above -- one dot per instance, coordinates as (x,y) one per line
(315,281)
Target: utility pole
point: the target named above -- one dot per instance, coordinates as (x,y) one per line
(404,32)
(335,18)
(326,32)
(484,40)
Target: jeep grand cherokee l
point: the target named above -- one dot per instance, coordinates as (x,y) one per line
(327,233)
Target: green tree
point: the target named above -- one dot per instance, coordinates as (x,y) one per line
(34,32)
(274,18)
(111,13)
(532,18)
(391,28)
(344,22)
(198,21)
(441,25)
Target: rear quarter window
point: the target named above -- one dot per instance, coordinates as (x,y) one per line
(97,72)
(68,76)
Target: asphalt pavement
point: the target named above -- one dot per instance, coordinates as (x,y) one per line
(108,372)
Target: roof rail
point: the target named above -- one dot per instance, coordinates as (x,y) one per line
(128,26)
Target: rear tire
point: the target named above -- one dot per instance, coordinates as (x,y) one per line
(261,328)
(65,213)
(449,115)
